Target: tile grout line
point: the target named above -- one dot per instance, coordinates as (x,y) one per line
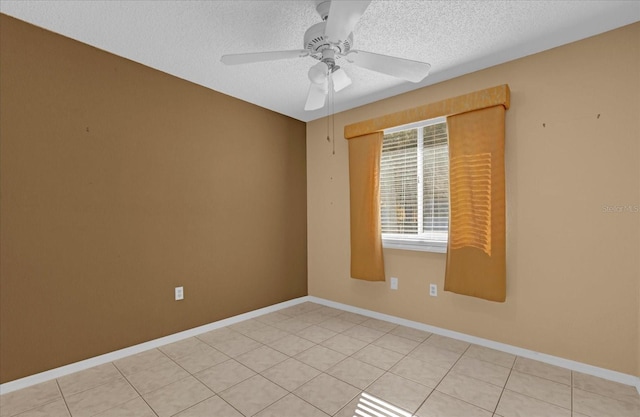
(571,380)
(64,399)
(445,375)
(134,388)
(346,357)
(495,409)
(215,394)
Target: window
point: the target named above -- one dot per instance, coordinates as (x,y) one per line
(414,186)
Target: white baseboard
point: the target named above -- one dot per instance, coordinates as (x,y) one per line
(610,375)
(28,381)
(152,344)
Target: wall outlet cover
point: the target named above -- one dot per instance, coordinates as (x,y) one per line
(179,293)
(394,283)
(433,290)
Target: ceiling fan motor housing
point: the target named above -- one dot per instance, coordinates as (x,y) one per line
(315,41)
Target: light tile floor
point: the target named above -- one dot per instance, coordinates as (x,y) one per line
(314,361)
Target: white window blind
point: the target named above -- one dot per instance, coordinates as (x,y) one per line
(414,186)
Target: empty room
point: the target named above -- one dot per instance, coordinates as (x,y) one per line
(319,208)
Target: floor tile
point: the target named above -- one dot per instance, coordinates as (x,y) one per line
(299,309)
(329,311)
(272,318)
(104,397)
(225,375)
(182,348)
(471,390)
(513,404)
(344,344)
(141,361)
(366,334)
(247,326)
(448,343)
(540,388)
(29,398)
(217,336)
(421,372)
(607,388)
(54,409)
(368,405)
(435,356)
(291,406)
(316,334)
(352,317)
(267,334)
(337,325)
(320,357)
(87,379)
(319,361)
(156,377)
(292,345)
(490,355)
(484,371)
(349,410)
(595,405)
(211,407)
(291,374)
(399,392)
(312,317)
(442,405)
(253,395)
(235,344)
(378,357)
(410,333)
(178,396)
(261,358)
(355,372)
(292,325)
(396,343)
(134,408)
(327,393)
(543,370)
(202,358)
(383,326)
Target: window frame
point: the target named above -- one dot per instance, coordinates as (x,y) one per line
(407,242)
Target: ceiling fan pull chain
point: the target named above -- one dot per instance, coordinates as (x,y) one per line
(333,120)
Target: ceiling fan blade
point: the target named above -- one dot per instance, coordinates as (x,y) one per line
(235,59)
(317,96)
(340,80)
(343,16)
(406,69)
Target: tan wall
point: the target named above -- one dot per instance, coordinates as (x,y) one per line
(119,183)
(573,271)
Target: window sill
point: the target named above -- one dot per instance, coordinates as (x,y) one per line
(421,246)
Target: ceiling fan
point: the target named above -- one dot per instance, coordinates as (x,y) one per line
(329,41)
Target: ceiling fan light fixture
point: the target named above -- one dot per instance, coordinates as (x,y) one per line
(318,73)
(340,79)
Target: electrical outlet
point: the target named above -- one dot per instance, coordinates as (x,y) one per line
(394,283)
(433,290)
(179,293)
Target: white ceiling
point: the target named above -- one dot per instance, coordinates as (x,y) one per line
(187,38)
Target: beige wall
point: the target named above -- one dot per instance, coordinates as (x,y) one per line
(119,183)
(573,271)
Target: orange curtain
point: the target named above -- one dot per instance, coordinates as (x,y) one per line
(476,253)
(476,249)
(364,182)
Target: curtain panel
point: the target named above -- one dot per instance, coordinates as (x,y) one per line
(476,251)
(476,248)
(366,229)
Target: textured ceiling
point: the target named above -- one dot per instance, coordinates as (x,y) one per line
(187,38)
